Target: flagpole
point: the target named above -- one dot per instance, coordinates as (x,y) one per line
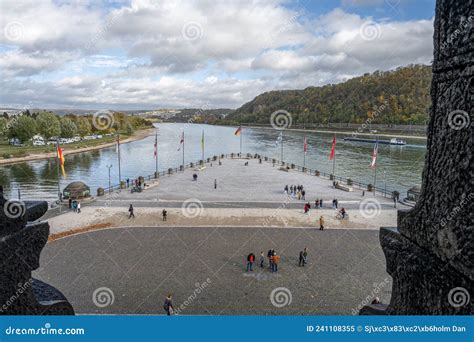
(59,178)
(118,156)
(334,160)
(304,153)
(281,147)
(241,141)
(375,165)
(156,150)
(183,150)
(202,146)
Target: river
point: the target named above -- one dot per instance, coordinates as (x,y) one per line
(399,167)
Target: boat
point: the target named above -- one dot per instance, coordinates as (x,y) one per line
(393,141)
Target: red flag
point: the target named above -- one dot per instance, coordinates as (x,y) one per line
(305,146)
(333,147)
(238,131)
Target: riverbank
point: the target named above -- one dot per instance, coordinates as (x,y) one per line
(346,133)
(68,149)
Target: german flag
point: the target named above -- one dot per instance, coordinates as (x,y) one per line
(61,160)
(238,131)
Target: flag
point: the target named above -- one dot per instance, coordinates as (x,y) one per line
(202,140)
(156,146)
(238,131)
(181,141)
(374,154)
(61,160)
(117,144)
(333,147)
(279,139)
(305,146)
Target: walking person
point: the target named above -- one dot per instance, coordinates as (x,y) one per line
(250,260)
(168,305)
(262,259)
(321,203)
(307,206)
(269,256)
(215,183)
(321,223)
(363,193)
(70,203)
(78,207)
(303,193)
(301,262)
(130,210)
(336,202)
(164,213)
(128,182)
(305,256)
(316,203)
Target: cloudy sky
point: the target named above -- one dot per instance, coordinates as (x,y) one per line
(145,54)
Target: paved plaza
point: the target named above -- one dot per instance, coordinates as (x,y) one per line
(138,267)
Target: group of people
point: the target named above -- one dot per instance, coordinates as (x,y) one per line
(75,206)
(273,260)
(131,213)
(297,191)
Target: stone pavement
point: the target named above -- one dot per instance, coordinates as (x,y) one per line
(204,269)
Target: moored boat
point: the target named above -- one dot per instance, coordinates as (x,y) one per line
(393,141)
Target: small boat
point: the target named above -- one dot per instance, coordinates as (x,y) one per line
(393,141)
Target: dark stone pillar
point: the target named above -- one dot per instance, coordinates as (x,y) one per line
(430,256)
(21,242)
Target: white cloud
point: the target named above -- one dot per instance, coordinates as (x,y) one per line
(179,53)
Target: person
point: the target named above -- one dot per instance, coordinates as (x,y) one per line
(130,210)
(215,183)
(128,182)
(262,259)
(74,206)
(316,203)
(195,176)
(303,193)
(78,207)
(164,213)
(363,193)
(343,213)
(269,256)
(291,189)
(334,203)
(168,305)
(301,262)
(70,203)
(275,261)
(394,201)
(305,256)
(321,223)
(298,195)
(376,300)
(321,203)
(250,260)
(307,206)
(286,189)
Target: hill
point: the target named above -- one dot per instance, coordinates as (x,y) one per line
(399,96)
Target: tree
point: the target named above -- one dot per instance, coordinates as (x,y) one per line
(3,126)
(48,125)
(84,127)
(23,128)
(68,128)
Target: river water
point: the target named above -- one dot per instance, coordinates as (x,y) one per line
(399,167)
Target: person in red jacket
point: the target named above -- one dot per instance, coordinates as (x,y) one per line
(250,260)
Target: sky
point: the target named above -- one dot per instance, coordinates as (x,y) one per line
(150,54)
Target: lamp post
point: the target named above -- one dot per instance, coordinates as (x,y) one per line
(109,167)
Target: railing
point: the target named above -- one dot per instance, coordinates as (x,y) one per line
(361,186)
